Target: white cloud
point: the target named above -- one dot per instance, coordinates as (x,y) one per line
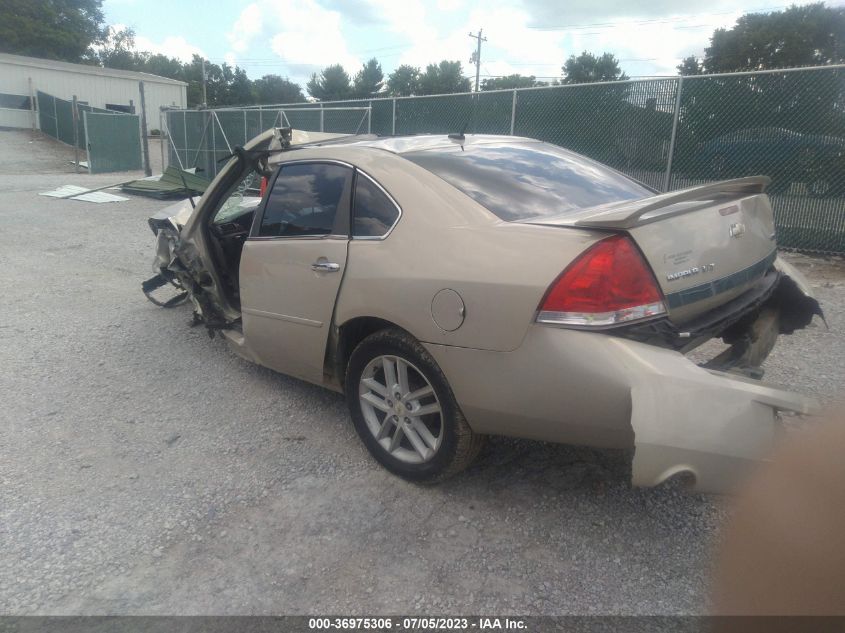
(653,47)
(246,28)
(298,37)
(449,5)
(511,46)
(308,37)
(517,42)
(171,46)
(577,12)
(412,21)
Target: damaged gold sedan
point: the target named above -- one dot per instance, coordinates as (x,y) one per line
(462,286)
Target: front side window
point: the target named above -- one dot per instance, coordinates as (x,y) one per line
(306,200)
(373,212)
(242,200)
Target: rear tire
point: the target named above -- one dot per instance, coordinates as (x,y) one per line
(395,388)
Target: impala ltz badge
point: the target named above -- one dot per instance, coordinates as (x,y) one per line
(737,230)
(689,272)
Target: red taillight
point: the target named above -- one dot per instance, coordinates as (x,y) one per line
(263,187)
(609,283)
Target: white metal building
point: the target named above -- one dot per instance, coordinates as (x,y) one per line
(21,77)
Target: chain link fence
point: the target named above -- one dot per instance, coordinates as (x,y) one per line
(669,133)
(202,139)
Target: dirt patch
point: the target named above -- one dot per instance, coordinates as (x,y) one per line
(28,152)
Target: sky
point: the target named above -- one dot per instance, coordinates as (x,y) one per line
(294,38)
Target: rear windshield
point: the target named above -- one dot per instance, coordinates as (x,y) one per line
(528,180)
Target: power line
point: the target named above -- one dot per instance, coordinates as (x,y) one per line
(606,25)
(547,64)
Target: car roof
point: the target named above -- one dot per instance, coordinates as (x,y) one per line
(417,143)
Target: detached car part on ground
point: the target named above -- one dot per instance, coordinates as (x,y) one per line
(465,286)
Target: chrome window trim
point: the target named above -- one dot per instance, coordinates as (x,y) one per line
(264,238)
(299,161)
(373,238)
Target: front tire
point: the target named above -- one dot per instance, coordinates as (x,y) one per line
(405,412)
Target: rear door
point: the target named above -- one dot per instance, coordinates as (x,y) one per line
(292,265)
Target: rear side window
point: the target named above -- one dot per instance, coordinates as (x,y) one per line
(306,200)
(373,212)
(517,181)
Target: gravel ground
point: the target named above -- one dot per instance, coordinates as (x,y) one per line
(145,469)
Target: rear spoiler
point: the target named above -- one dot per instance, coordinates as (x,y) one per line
(627,215)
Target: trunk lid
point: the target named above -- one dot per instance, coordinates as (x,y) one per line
(706,244)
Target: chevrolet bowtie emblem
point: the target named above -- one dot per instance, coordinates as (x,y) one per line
(737,229)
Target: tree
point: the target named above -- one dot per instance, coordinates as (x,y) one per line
(275,89)
(192,75)
(51,29)
(443,78)
(404,81)
(118,50)
(331,85)
(587,68)
(218,79)
(369,80)
(164,66)
(690,66)
(239,90)
(72,30)
(812,34)
(511,81)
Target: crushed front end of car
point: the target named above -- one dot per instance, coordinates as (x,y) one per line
(187,258)
(166,225)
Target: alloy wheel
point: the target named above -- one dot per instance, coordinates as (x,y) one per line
(401,409)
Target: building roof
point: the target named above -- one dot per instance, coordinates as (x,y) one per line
(52,64)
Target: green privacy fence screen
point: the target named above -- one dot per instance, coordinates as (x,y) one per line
(669,133)
(113,141)
(117,145)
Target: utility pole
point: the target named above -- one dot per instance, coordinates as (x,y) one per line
(204,101)
(75,113)
(476,57)
(144,141)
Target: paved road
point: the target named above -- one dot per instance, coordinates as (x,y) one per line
(144,469)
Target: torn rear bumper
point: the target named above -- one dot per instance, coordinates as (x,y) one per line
(711,425)
(589,388)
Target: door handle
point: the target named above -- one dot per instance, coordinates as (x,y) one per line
(325,267)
